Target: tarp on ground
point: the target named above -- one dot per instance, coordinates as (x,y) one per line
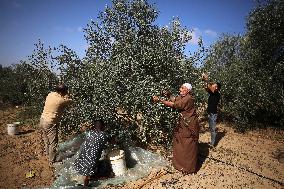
(139,163)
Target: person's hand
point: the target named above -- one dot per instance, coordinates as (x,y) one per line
(204,77)
(166,93)
(83,129)
(173,98)
(155,99)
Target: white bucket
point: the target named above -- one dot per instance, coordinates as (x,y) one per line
(117,160)
(17,123)
(12,129)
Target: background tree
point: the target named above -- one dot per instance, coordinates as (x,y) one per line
(129,59)
(251,69)
(38,75)
(11,88)
(266,34)
(29,82)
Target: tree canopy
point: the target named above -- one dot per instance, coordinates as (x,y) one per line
(130,58)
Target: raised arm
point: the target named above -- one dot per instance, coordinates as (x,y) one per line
(67,100)
(208,86)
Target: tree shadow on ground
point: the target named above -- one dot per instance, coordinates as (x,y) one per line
(129,160)
(203,151)
(203,128)
(26,132)
(219,136)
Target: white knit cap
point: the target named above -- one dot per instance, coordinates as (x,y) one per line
(188,86)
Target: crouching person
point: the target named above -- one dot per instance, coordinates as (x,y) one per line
(91,150)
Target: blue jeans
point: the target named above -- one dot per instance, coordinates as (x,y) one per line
(212,126)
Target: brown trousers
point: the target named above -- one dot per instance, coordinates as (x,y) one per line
(50,139)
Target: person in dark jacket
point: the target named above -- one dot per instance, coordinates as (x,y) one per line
(213,101)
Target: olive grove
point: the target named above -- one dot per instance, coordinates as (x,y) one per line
(130,58)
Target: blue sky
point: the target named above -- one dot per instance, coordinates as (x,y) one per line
(55,22)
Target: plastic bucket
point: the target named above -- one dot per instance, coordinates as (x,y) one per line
(12,129)
(117,160)
(17,123)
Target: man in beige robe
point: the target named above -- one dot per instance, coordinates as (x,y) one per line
(55,104)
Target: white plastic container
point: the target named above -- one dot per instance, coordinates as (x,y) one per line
(17,123)
(12,129)
(117,160)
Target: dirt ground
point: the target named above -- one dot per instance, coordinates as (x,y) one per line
(251,160)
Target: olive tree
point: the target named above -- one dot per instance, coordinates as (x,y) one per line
(129,59)
(250,67)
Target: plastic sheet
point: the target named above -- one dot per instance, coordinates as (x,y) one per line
(139,164)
